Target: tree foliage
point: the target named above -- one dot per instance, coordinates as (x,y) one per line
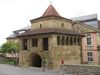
(9,47)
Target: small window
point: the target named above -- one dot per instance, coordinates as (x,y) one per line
(67,40)
(89,41)
(62,24)
(90,56)
(34,42)
(74,40)
(40,25)
(58,40)
(24,44)
(63,40)
(71,40)
(78,41)
(45,44)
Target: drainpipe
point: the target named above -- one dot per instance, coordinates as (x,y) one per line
(81,55)
(21,51)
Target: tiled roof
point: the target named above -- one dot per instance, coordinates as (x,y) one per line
(23,29)
(50,11)
(49,31)
(17,32)
(12,36)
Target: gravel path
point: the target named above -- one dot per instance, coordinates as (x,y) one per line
(12,70)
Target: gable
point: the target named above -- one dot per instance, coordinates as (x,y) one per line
(84,28)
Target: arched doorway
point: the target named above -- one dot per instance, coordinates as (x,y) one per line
(36,60)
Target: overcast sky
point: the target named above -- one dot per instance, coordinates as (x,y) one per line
(16,14)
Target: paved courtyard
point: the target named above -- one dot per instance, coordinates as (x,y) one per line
(12,70)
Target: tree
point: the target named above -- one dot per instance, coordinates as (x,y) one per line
(10,47)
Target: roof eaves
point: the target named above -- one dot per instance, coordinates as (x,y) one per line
(46,17)
(50,31)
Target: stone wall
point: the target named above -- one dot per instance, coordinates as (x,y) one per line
(80,69)
(51,23)
(71,54)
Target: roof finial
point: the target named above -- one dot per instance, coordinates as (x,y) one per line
(50,2)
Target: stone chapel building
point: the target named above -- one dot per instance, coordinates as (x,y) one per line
(51,36)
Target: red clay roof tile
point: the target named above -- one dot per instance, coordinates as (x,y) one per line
(50,31)
(50,11)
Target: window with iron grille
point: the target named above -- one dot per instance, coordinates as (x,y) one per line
(90,56)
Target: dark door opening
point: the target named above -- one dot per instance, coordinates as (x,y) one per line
(36,60)
(45,44)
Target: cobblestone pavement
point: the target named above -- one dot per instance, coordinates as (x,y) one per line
(12,70)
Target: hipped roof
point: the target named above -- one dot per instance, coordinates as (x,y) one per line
(50,11)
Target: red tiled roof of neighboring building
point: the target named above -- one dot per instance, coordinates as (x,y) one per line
(50,31)
(50,11)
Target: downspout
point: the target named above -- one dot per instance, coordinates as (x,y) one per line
(22,50)
(81,53)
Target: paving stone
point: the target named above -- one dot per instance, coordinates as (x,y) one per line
(12,70)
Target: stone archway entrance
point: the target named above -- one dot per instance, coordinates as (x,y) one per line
(36,60)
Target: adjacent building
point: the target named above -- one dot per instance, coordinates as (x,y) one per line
(89,26)
(13,37)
